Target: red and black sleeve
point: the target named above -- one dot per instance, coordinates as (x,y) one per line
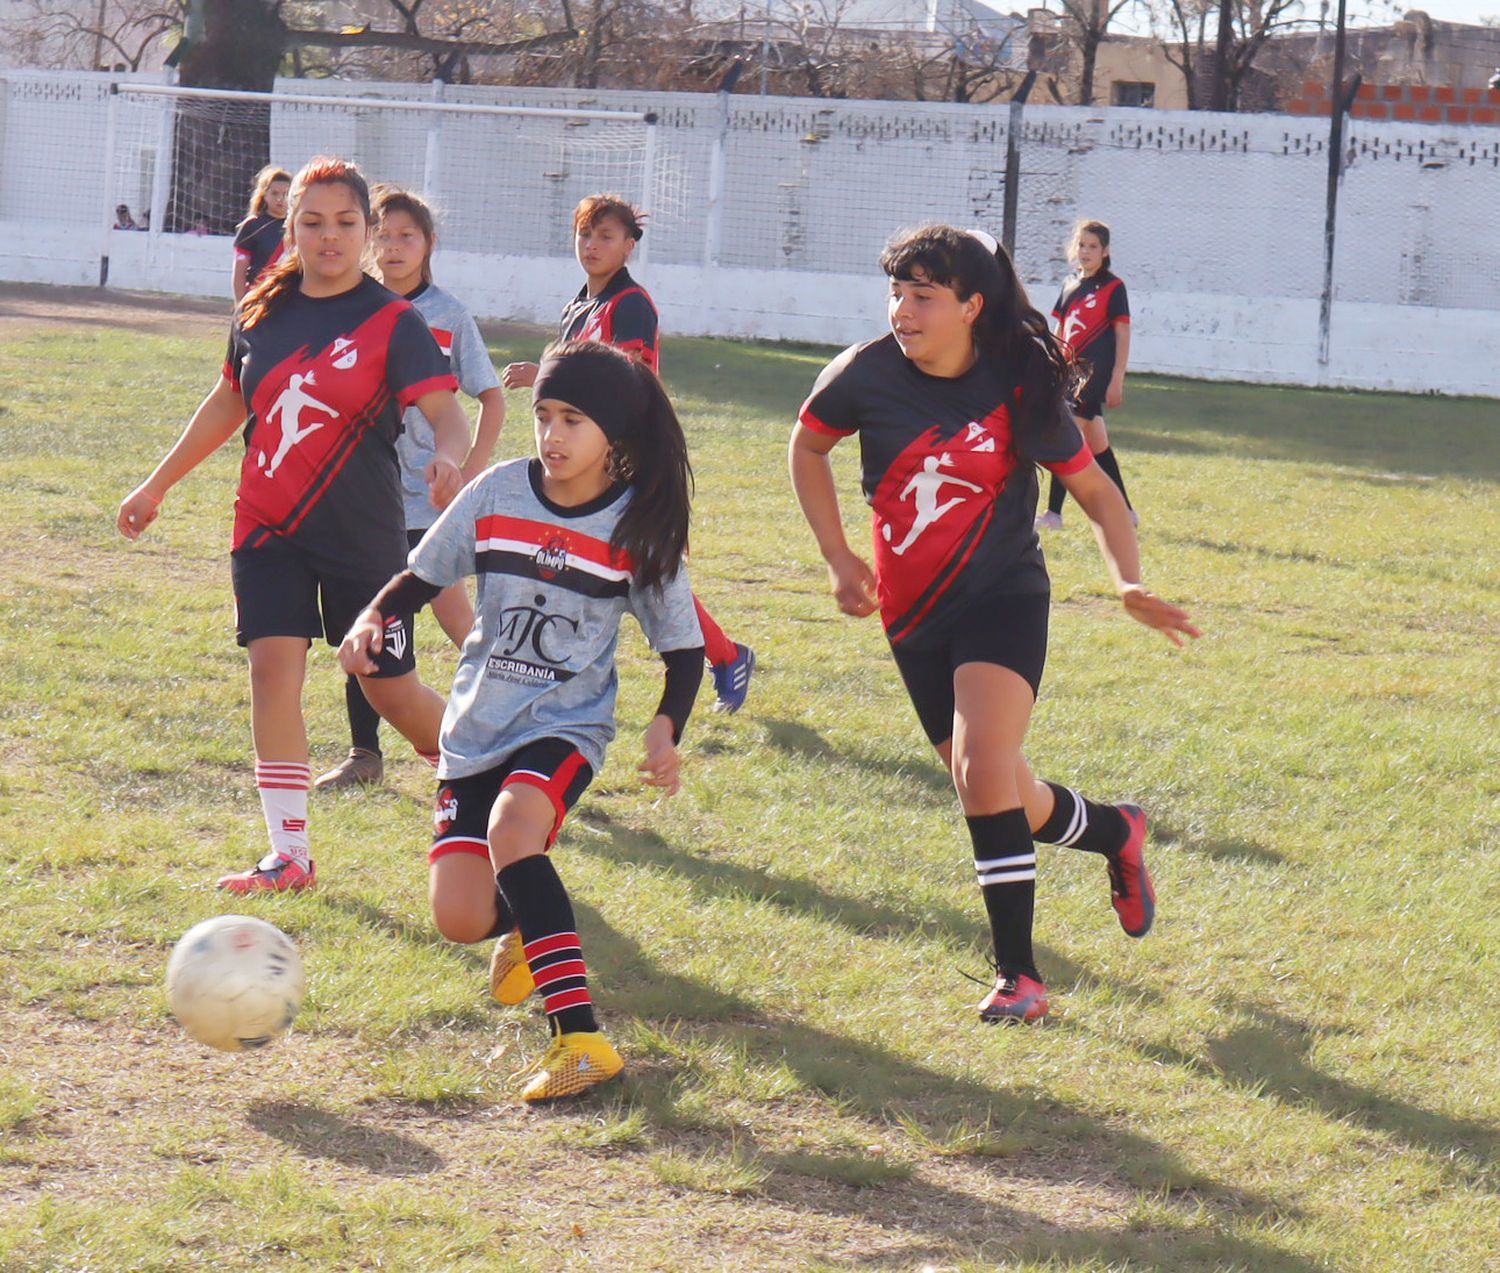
(634,328)
(414,365)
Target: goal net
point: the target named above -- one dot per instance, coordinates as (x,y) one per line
(502,179)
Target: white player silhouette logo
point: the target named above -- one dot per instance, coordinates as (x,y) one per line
(923,490)
(289,405)
(1076,321)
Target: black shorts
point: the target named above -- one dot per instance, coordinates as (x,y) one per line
(1009,630)
(414,537)
(461,813)
(278,592)
(1088,402)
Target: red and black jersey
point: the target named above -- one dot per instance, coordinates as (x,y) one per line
(259,241)
(953,497)
(1087,309)
(325,380)
(622,315)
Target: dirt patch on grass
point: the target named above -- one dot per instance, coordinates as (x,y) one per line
(125,1108)
(33,305)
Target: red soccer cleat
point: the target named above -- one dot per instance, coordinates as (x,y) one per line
(1014,999)
(272,874)
(1130,888)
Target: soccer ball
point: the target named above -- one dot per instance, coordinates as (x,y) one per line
(235,983)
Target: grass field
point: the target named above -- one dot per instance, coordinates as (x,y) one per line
(1295,1071)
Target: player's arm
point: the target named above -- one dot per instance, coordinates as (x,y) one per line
(1115,395)
(213,424)
(450,431)
(239,276)
(662,764)
(851,578)
(1107,511)
(486,433)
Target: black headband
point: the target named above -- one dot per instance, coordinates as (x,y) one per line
(599,381)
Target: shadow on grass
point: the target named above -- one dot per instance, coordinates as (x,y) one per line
(1392,435)
(1061,1143)
(1227,849)
(319,1133)
(798,739)
(710,879)
(859,1077)
(418,934)
(1271,1055)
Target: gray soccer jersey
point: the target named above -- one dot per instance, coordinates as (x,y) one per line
(540,661)
(457,336)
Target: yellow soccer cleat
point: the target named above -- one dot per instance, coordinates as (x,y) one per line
(510,974)
(573,1064)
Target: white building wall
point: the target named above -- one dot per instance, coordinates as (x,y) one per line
(1217,220)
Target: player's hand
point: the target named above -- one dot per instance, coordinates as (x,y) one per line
(1146,607)
(137,511)
(1114,396)
(519,375)
(444,481)
(362,643)
(853,584)
(663,764)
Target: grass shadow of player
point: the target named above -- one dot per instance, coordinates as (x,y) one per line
(798,739)
(1406,435)
(1269,1055)
(711,879)
(1272,1055)
(1221,849)
(865,1079)
(425,934)
(319,1133)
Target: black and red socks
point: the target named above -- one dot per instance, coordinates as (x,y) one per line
(536,897)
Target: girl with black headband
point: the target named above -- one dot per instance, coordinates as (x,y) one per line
(564,546)
(954,408)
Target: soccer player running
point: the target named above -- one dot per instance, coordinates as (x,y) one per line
(611,306)
(953,408)
(404,238)
(260,238)
(564,546)
(1093,320)
(323,359)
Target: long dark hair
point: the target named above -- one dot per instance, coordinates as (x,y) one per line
(283,278)
(650,454)
(387,199)
(1099,230)
(1008,330)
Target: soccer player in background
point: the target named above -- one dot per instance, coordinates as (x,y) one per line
(1093,320)
(564,546)
(260,238)
(611,306)
(404,238)
(323,360)
(953,408)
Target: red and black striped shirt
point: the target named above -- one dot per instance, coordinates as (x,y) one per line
(325,380)
(622,315)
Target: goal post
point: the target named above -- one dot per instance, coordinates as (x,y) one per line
(502,179)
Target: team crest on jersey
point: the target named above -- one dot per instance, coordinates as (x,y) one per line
(444,811)
(395,636)
(345,353)
(552,557)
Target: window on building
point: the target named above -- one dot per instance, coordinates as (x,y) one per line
(1131,93)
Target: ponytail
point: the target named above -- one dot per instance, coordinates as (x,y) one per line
(1008,331)
(283,278)
(653,458)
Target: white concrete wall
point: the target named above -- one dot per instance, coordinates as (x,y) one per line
(1218,220)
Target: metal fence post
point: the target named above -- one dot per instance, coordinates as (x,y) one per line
(1013,161)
